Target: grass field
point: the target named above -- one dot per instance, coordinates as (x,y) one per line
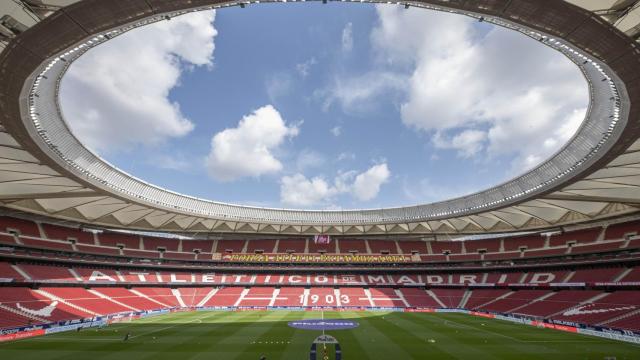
(247,335)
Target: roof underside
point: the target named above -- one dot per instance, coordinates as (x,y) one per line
(31,181)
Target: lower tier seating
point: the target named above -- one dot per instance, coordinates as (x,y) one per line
(23,306)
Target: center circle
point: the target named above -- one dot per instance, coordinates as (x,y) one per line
(323,324)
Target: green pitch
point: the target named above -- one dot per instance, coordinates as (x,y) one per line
(384,336)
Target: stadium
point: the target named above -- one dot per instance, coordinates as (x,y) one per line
(98,263)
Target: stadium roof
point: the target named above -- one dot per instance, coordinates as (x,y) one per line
(45,170)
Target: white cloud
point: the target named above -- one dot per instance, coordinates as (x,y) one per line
(336,131)
(117,95)
(427,190)
(177,162)
(347,37)
(496,92)
(308,159)
(298,190)
(468,143)
(356,94)
(367,184)
(304,68)
(247,150)
(343,156)
(278,85)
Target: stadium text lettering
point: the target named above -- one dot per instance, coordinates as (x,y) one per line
(297,279)
(312,258)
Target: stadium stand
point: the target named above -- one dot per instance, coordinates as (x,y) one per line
(313,247)
(439,247)
(265,246)
(579,236)
(600,309)
(556,302)
(154,244)
(55,232)
(234,246)
(488,245)
(528,242)
(450,298)
(119,240)
(291,245)
(51,278)
(622,230)
(383,246)
(46,244)
(203,246)
(19,226)
(409,247)
(353,245)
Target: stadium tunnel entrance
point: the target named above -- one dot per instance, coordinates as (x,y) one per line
(324,344)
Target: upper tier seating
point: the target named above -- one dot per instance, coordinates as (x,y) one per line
(265,246)
(99,250)
(383,246)
(352,245)
(545,252)
(619,231)
(464,257)
(325,248)
(234,246)
(56,232)
(438,247)
(529,242)
(117,239)
(155,243)
(179,255)
(7,239)
(56,238)
(579,236)
(291,245)
(204,246)
(488,245)
(23,227)
(46,244)
(597,247)
(408,247)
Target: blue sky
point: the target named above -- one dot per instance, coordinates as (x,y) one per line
(323,106)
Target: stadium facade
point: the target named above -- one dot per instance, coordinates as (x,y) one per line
(80,240)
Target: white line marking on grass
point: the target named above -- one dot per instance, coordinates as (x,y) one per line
(44,338)
(486,330)
(560,341)
(172,326)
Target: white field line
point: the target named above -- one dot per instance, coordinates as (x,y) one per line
(176,325)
